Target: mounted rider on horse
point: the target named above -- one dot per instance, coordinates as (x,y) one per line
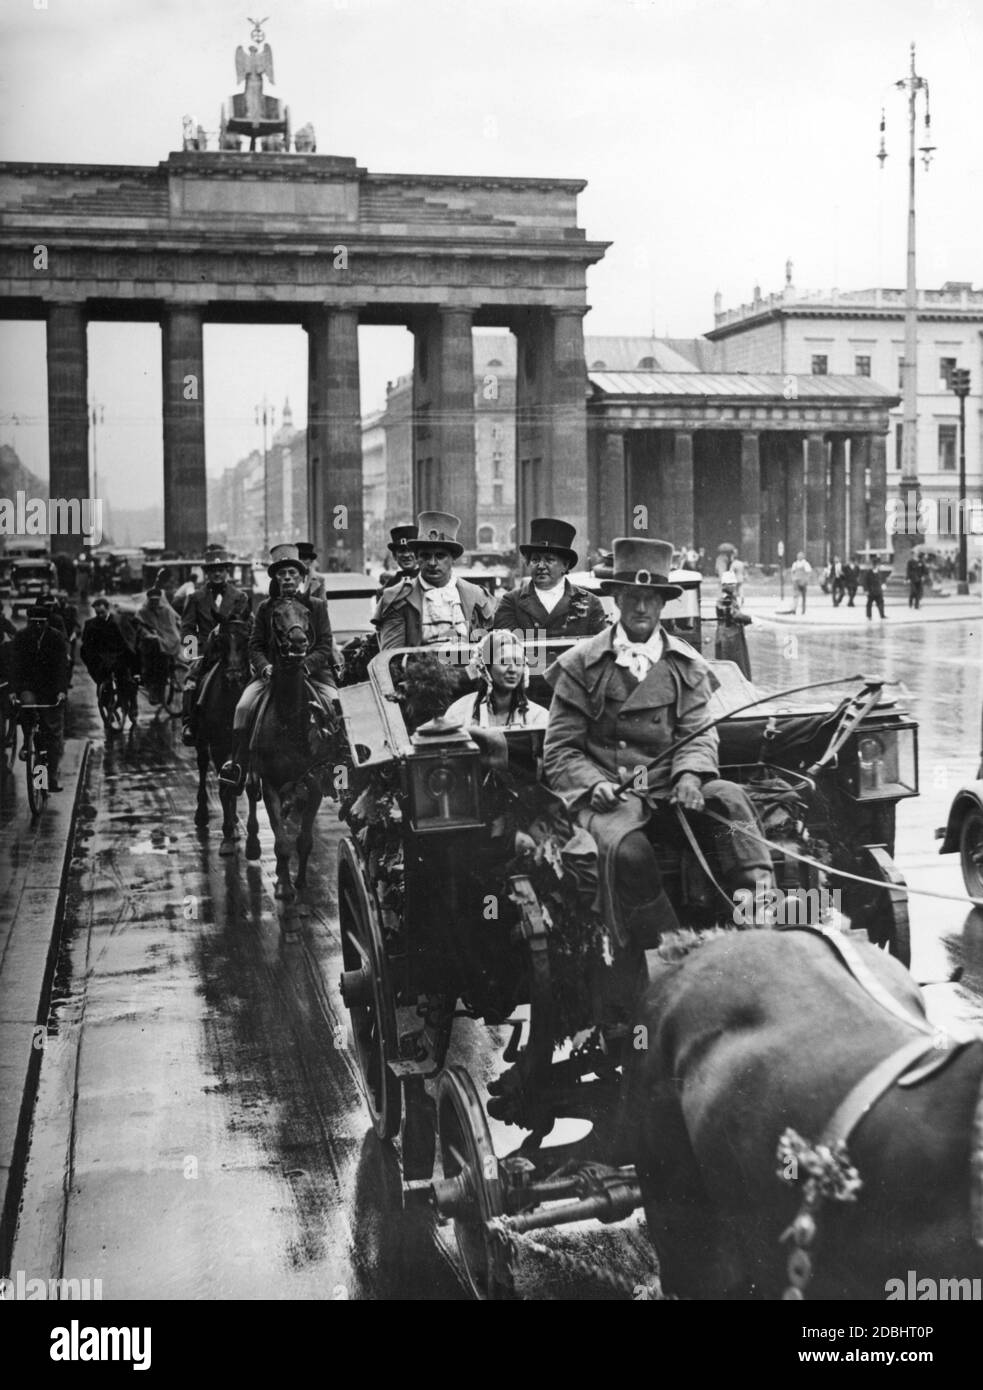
(289,621)
(213,603)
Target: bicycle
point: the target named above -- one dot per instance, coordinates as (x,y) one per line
(35,755)
(111,709)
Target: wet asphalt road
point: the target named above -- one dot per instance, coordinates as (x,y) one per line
(199,1130)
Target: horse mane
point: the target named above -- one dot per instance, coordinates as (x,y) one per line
(677,945)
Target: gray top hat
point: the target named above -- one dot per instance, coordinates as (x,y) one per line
(642,563)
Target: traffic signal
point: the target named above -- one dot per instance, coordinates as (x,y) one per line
(959,381)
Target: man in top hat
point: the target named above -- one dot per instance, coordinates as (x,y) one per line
(289,571)
(547,604)
(620,701)
(215,601)
(401,548)
(435,606)
(314,588)
(39,673)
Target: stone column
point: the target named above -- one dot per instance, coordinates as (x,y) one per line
(837,496)
(568,420)
(750,497)
(859,463)
(185,491)
(551,418)
(611,491)
(682,490)
(68,413)
(878,492)
(334,438)
(816,526)
(794,497)
(455,421)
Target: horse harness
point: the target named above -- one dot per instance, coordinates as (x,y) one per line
(828,1172)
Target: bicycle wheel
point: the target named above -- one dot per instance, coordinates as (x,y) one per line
(173,692)
(110,709)
(36,769)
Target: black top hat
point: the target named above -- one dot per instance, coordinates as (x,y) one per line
(640,562)
(547,533)
(438,531)
(306,550)
(216,556)
(37,612)
(401,536)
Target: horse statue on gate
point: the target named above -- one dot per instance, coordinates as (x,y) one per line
(296,741)
(799,1127)
(220,691)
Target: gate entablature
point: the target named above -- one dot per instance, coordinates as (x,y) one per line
(315,239)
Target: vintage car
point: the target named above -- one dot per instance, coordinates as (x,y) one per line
(29,577)
(964,831)
(463,890)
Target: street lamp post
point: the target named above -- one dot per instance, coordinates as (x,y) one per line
(97,415)
(265,415)
(912,85)
(959,383)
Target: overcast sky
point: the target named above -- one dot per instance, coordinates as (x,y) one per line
(718,138)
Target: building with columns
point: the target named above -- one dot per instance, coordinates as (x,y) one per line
(315,240)
(861,332)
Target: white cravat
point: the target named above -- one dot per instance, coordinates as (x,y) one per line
(638,657)
(443,613)
(549,598)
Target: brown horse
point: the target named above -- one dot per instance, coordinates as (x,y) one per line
(214,738)
(748,1044)
(292,754)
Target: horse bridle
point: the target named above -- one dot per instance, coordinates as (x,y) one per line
(831,1175)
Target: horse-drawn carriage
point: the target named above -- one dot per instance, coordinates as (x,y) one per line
(464,892)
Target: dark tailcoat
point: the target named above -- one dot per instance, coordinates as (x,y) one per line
(578,613)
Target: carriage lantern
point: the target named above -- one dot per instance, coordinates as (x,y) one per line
(444,780)
(881,762)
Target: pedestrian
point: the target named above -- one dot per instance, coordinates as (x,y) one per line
(851,579)
(730,644)
(801,574)
(874,587)
(916,573)
(83,577)
(838,581)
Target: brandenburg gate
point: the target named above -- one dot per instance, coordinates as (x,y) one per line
(229,237)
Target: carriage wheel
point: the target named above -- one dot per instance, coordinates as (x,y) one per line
(971,852)
(368,995)
(467,1155)
(881,913)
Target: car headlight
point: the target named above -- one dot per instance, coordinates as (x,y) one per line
(880,763)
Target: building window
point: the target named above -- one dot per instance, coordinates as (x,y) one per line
(486,535)
(498,431)
(900,373)
(599,366)
(947,448)
(647,364)
(820,364)
(946,368)
(497,495)
(899,447)
(496,465)
(861,366)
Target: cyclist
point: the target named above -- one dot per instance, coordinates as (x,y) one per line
(105,652)
(39,676)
